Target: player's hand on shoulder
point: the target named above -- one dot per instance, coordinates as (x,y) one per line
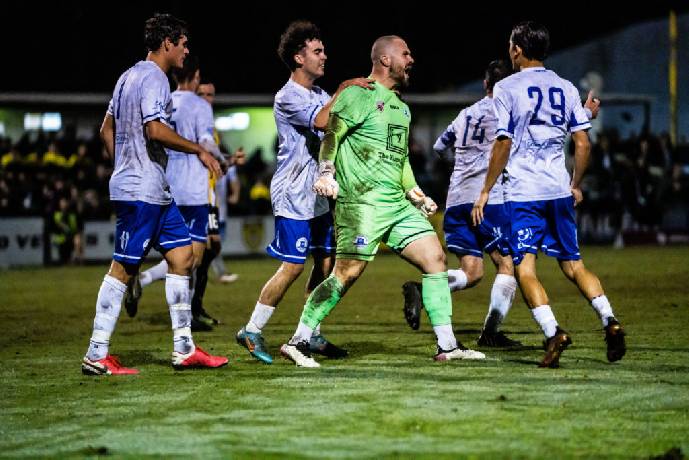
(366,83)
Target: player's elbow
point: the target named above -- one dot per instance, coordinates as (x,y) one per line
(153,130)
(582,142)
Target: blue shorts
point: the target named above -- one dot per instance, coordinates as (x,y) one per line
(463,238)
(548,225)
(141,226)
(296,239)
(196,219)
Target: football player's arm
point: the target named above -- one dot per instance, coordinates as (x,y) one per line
(107,134)
(446,139)
(413,192)
(582,152)
(159,131)
(326,185)
(320,122)
(499,155)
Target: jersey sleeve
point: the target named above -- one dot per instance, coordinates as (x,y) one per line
(296,110)
(353,105)
(205,123)
(449,136)
(578,119)
(503,107)
(155,98)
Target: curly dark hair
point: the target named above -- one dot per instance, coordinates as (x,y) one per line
(533,38)
(162,26)
(294,39)
(496,71)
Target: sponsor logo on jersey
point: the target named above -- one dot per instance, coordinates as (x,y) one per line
(380,105)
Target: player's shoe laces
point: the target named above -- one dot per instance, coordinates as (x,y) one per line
(299,354)
(614,337)
(197,358)
(461,352)
(554,347)
(132,296)
(320,346)
(253,341)
(110,365)
(413,303)
(497,340)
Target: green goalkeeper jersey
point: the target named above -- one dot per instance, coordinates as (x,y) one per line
(372,165)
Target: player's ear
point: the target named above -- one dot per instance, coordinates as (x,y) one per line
(385,60)
(299,59)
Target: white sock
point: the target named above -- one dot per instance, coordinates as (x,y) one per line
(303,332)
(259,317)
(107,311)
(177,295)
(603,308)
(457,279)
(501,297)
(446,338)
(545,318)
(156,272)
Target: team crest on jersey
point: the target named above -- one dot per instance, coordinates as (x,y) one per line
(302,244)
(524,235)
(405,111)
(124,239)
(360,241)
(380,105)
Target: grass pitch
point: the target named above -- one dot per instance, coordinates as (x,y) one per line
(388,400)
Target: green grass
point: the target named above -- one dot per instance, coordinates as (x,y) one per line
(389,399)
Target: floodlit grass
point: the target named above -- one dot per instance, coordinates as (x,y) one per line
(388,400)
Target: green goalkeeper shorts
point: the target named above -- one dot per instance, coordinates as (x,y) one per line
(361,227)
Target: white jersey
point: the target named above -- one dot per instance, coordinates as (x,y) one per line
(537,109)
(192,118)
(142,94)
(472,134)
(291,190)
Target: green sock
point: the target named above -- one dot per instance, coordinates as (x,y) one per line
(322,300)
(436,298)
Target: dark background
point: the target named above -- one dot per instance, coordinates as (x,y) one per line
(85,46)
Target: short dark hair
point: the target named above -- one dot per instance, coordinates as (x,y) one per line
(162,26)
(294,39)
(187,71)
(533,38)
(496,71)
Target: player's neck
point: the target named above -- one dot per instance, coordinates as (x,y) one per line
(303,79)
(186,86)
(384,79)
(530,63)
(159,60)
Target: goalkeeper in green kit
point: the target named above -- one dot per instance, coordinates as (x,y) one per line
(364,165)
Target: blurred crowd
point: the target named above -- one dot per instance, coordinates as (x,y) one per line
(635,184)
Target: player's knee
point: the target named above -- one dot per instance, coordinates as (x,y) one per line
(570,268)
(435,261)
(181,262)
